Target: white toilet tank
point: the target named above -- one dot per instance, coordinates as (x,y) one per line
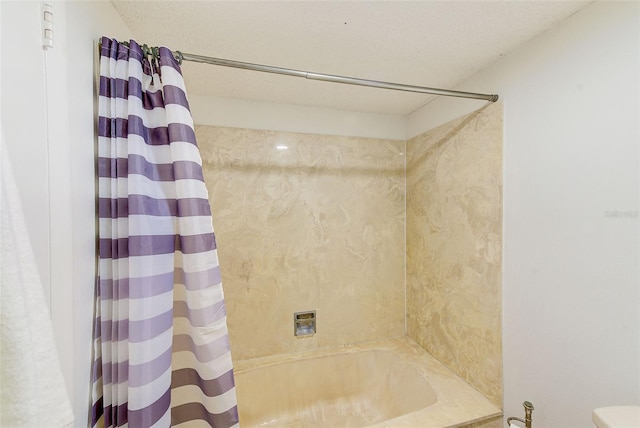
(617,417)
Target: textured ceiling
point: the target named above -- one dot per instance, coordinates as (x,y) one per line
(427,43)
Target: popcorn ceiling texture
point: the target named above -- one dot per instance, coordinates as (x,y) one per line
(429,43)
(454,246)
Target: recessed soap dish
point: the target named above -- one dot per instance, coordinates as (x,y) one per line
(304,323)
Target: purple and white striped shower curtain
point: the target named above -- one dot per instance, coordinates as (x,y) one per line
(161,345)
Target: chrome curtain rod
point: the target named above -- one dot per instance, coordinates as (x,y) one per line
(179,56)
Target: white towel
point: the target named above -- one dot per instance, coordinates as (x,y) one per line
(32,390)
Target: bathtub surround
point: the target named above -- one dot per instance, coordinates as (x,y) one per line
(307,222)
(316,222)
(454,246)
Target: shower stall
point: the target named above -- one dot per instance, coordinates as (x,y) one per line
(328,245)
(382,238)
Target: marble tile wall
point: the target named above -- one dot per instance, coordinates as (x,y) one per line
(307,222)
(454,246)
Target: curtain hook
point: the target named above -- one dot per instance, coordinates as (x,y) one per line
(179,57)
(155,51)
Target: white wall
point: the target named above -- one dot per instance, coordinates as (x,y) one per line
(47,122)
(216,111)
(23,91)
(571,290)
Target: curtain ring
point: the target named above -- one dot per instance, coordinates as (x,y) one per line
(178,57)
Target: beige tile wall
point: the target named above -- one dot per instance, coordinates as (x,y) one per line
(454,246)
(320,225)
(317,226)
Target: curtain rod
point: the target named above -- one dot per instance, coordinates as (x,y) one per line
(179,56)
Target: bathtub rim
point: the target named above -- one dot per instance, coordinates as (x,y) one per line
(458,403)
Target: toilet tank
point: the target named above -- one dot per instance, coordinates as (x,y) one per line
(617,417)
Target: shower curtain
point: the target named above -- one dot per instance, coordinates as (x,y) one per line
(161,348)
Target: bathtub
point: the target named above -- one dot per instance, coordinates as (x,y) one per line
(387,383)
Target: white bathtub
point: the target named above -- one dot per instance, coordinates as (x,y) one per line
(388,383)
